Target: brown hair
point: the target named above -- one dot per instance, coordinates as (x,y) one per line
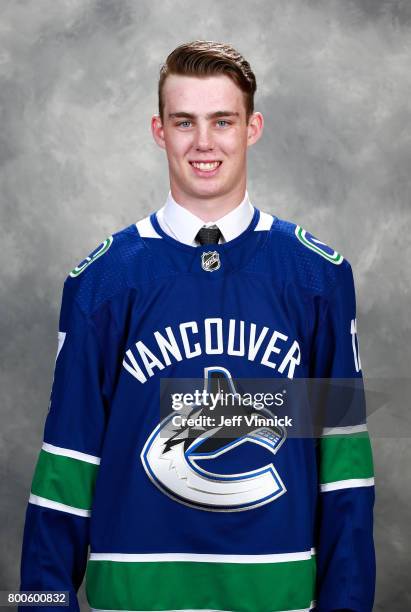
(203,58)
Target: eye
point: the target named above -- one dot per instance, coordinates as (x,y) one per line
(183,123)
(223,121)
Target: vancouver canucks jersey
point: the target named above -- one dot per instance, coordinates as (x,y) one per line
(178,507)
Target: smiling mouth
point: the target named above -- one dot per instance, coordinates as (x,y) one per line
(206,166)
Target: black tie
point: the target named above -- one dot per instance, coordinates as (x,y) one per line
(208,235)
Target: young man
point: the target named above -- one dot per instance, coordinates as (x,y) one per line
(177,516)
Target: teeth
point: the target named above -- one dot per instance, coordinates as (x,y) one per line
(206,166)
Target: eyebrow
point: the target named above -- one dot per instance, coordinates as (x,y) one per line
(221,113)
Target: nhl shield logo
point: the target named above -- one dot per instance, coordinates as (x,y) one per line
(210,261)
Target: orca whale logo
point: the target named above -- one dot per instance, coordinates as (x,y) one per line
(171,454)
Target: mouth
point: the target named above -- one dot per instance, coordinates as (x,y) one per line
(206,168)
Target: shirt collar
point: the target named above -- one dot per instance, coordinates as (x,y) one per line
(183,225)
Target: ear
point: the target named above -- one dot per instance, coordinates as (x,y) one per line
(157,131)
(255,128)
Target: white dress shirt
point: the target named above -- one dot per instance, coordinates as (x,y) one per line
(183,225)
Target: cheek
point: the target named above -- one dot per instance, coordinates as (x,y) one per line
(234,144)
(179,149)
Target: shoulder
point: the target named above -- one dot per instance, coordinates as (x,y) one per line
(302,257)
(109,268)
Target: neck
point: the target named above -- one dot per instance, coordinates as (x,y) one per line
(209,208)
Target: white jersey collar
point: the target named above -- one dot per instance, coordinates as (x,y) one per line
(181,224)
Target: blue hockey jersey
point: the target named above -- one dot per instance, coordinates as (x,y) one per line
(165,515)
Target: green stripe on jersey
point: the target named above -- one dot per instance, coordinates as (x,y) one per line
(188,585)
(344,457)
(64,480)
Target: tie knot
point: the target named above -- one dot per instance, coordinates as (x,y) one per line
(208,235)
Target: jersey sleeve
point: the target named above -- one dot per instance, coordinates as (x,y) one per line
(56,531)
(345,546)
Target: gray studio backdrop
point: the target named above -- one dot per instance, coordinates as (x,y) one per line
(78,83)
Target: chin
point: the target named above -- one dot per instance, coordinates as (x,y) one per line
(207,193)
(206,186)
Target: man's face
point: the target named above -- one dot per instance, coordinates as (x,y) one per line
(205,136)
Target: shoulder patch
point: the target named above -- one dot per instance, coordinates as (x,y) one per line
(309,241)
(98,252)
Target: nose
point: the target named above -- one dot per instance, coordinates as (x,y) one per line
(203,138)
